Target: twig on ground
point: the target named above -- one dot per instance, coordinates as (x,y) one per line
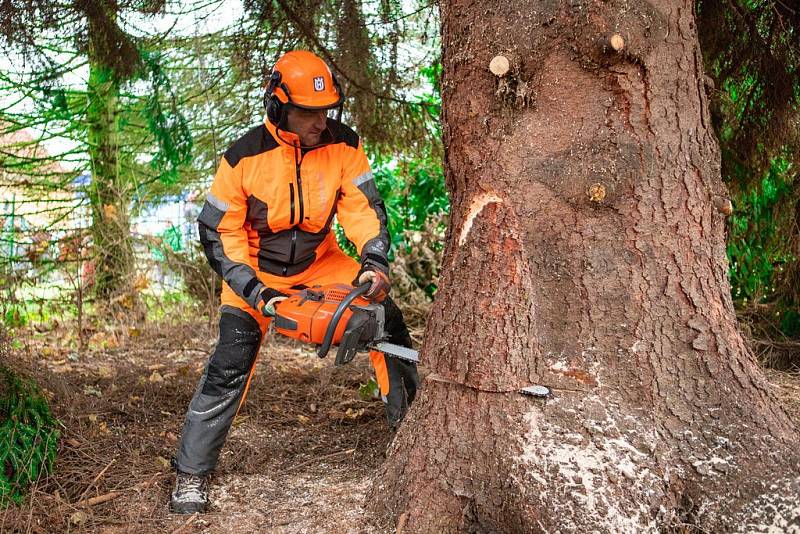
(94,481)
(187,523)
(99,499)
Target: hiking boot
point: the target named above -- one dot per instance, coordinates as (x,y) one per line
(190,494)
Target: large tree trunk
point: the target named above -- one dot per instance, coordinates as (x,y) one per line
(110,193)
(585,253)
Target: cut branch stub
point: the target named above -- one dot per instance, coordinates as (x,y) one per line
(499,65)
(617,42)
(723,205)
(597,192)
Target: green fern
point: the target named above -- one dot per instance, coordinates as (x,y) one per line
(28,436)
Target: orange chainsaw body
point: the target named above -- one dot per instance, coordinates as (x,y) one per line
(306,314)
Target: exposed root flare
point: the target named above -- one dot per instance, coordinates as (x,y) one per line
(475,207)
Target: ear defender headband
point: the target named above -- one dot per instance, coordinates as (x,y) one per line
(274,106)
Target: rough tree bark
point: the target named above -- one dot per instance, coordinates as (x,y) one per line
(585,253)
(110,193)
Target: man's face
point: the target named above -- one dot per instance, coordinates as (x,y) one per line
(308,125)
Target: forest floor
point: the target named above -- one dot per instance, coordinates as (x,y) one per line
(300,457)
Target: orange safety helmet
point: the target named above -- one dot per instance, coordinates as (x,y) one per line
(302,79)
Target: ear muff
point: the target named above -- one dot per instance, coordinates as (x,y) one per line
(272,104)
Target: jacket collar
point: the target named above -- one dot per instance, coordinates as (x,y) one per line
(289,139)
(283,137)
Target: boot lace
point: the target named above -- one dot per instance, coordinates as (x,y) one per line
(190,488)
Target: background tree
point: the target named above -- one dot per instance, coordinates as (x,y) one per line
(113,128)
(751,52)
(586,253)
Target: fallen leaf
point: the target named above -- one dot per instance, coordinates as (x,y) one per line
(156,377)
(354,414)
(105,371)
(369,391)
(303,419)
(163,461)
(141,283)
(78,518)
(89,389)
(72,442)
(103,427)
(93,418)
(110,211)
(126,302)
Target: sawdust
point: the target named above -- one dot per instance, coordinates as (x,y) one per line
(570,468)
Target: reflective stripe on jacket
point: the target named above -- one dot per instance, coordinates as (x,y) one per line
(271,206)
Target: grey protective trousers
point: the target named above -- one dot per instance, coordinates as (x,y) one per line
(219,393)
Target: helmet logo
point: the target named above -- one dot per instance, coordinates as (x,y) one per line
(319,83)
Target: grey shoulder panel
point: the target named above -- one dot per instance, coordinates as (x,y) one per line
(254,142)
(211,214)
(380,243)
(342,133)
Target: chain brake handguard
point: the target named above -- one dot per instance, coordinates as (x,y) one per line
(364,328)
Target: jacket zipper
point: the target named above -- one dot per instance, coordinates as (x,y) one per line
(294,244)
(299,185)
(291,203)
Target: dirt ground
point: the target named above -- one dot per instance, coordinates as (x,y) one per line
(299,459)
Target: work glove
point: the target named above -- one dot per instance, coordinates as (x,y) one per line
(268,298)
(374,269)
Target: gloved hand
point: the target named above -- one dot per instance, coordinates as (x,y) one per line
(267,300)
(374,269)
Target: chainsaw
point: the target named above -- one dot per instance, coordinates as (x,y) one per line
(337,314)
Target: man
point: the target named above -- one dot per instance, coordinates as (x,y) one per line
(266,227)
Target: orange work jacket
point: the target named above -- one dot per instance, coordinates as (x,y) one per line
(272,204)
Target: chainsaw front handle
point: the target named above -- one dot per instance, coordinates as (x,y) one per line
(323,349)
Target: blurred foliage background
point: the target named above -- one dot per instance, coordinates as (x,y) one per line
(751,52)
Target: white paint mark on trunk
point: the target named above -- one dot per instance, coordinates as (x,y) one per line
(475,207)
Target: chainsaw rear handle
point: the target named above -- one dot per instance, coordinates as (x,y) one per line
(323,349)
